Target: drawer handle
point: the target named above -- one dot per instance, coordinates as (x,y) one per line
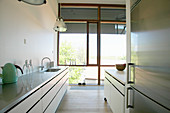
(130,98)
(131,73)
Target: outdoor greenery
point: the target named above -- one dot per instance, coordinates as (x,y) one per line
(66,54)
(75,74)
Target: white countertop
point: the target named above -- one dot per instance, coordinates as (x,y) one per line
(120,76)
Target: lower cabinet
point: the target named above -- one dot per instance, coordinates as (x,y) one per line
(56,101)
(117,100)
(28,103)
(37,108)
(107,90)
(46,98)
(114,94)
(52,99)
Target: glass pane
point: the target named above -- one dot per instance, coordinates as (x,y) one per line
(91,75)
(76,28)
(121,29)
(72,49)
(113,48)
(113,14)
(83,75)
(72,45)
(93,43)
(79,13)
(113,28)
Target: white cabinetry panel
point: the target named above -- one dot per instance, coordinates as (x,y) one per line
(107,90)
(50,95)
(116,83)
(56,101)
(114,93)
(52,82)
(37,108)
(117,101)
(24,106)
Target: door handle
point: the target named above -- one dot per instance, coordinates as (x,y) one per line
(131,73)
(130,98)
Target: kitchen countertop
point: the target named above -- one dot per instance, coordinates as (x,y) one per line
(10,94)
(120,76)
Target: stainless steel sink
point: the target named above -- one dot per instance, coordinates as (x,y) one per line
(52,70)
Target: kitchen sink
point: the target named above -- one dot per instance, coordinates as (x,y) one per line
(52,70)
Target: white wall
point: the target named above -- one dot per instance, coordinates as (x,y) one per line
(20,21)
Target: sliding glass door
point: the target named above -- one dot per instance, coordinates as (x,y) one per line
(94,40)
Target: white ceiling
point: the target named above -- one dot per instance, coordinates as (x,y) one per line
(94,1)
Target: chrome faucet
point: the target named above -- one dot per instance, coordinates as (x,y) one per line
(43,60)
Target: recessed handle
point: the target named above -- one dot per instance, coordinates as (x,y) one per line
(131,73)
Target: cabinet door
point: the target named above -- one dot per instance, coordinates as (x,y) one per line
(57,99)
(29,102)
(116,83)
(50,95)
(37,108)
(117,100)
(107,90)
(53,81)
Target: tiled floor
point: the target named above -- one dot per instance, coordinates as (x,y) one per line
(84,101)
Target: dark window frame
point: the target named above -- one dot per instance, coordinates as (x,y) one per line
(87,21)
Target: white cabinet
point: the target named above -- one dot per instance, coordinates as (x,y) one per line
(107,90)
(117,100)
(56,101)
(46,98)
(37,108)
(56,93)
(28,103)
(114,93)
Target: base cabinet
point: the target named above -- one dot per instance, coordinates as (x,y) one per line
(55,90)
(46,99)
(107,90)
(56,101)
(29,103)
(37,109)
(114,95)
(117,100)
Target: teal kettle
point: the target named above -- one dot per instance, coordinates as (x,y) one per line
(9,73)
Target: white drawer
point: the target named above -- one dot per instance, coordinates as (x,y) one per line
(46,87)
(117,84)
(38,108)
(54,104)
(24,106)
(57,99)
(50,95)
(117,101)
